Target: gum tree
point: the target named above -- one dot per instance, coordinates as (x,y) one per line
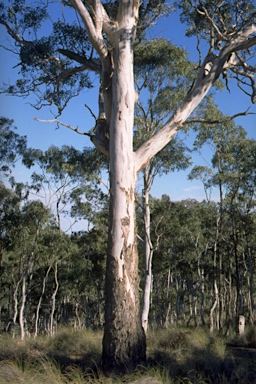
(161,70)
(112,29)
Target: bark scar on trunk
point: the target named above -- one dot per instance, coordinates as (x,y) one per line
(129,288)
(125,221)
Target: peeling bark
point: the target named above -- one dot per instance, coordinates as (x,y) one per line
(124,345)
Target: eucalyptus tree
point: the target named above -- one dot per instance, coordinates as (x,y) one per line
(12,146)
(67,180)
(10,203)
(55,67)
(21,238)
(161,68)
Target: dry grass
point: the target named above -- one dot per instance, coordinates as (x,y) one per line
(174,357)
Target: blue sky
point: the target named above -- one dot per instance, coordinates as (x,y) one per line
(42,135)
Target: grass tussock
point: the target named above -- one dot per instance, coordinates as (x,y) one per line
(174,357)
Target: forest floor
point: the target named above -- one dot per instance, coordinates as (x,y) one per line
(175,356)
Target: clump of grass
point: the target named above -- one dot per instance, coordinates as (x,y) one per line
(30,372)
(70,342)
(194,356)
(62,359)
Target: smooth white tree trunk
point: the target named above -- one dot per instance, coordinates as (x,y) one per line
(148,255)
(124,338)
(22,307)
(40,301)
(54,298)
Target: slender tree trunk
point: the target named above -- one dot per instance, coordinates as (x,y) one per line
(54,298)
(78,318)
(124,345)
(168,305)
(213,307)
(219,238)
(15,299)
(202,297)
(22,307)
(248,266)
(238,293)
(40,301)
(215,291)
(148,254)
(251,288)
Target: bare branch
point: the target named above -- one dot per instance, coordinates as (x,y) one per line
(64,125)
(218,121)
(100,139)
(91,112)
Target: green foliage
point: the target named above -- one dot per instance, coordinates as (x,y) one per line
(12,146)
(156,55)
(163,75)
(54,78)
(227,15)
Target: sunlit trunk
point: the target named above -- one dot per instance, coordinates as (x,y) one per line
(15,299)
(54,298)
(251,289)
(148,254)
(40,301)
(215,290)
(22,307)
(124,338)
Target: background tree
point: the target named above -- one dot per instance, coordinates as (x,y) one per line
(160,68)
(68,181)
(12,146)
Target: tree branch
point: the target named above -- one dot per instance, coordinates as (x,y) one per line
(218,121)
(92,64)
(100,139)
(64,125)
(214,26)
(95,35)
(201,87)
(15,36)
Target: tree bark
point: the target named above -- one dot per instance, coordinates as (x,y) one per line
(148,254)
(54,297)
(22,307)
(124,345)
(216,291)
(40,301)
(250,288)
